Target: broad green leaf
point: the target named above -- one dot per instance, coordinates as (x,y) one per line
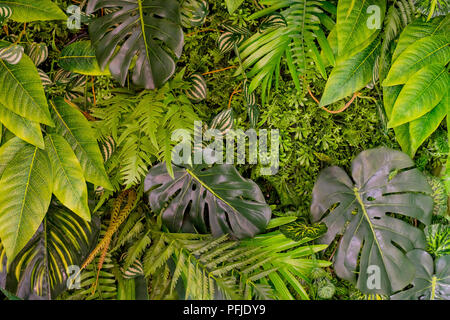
(354,26)
(421,128)
(232,5)
(79,57)
(8,151)
(76,129)
(217,200)
(423,91)
(432,49)
(69,185)
(419,29)
(34,10)
(25,129)
(432,279)
(26,186)
(147,31)
(21,90)
(390,95)
(350,74)
(63,240)
(382,184)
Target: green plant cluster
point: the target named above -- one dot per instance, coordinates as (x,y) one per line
(92,206)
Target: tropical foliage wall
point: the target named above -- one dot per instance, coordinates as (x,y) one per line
(94,206)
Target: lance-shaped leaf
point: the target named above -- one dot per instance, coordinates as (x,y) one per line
(79,57)
(419,29)
(76,129)
(432,49)
(147,31)
(25,129)
(421,128)
(42,269)
(353,23)
(423,91)
(432,279)
(364,208)
(350,74)
(21,89)
(217,200)
(34,10)
(69,185)
(26,186)
(8,151)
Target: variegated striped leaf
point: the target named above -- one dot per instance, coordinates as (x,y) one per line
(194,13)
(135,270)
(5,13)
(223,121)
(198,90)
(233,36)
(253,115)
(38,52)
(12,54)
(107,148)
(250,97)
(46,81)
(274,20)
(63,76)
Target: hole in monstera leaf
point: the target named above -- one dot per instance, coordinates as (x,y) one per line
(370,198)
(377,218)
(399,247)
(194,187)
(206,214)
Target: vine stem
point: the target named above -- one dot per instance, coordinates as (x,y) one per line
(348,104)
(235,91)
(218,70)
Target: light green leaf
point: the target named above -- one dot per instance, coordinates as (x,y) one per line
(26,186)
(34,10)
(419,29)
(76,129)
(433,49)
(69,185)
(420,129)
(8,151)
(25,129)
(421,94)
(353,27)
(350,74)
(79,57)
(232,5)
(21,90)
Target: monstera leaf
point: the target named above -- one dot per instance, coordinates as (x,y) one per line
(366,210)
(42,268)
(145,32)
(202,199)
(432,280)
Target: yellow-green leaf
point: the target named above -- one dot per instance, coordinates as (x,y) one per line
(25,129)
(34,10)
(421,94)
(26,191)
(69,185)
(77,131)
